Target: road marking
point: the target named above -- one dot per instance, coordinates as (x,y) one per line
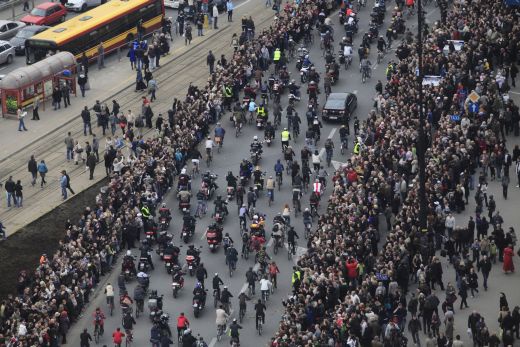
(332,132)
(336,164)
(242,4)
(517,93)
(204,234)
(355,92)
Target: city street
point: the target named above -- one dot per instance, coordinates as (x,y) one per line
(237,148)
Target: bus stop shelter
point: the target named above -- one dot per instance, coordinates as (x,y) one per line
(20,87)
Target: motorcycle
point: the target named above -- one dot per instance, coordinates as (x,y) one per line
(212,239)
(155,305)
(192,263)
(304,73)
(169,261)
(268,139)
(184,205)
(126,269)
(164,222)
(177,284)
(143,264)
(230,191)
(260,122)
(255,157)
(187,233)
(209,180)
(198,306)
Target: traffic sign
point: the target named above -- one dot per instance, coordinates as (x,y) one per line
(474,97)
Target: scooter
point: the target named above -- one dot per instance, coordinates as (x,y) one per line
(190,261)
(187,233)
(165,223)
(211,237)
(143,264)
(155,305)
(177,283)
(198,306)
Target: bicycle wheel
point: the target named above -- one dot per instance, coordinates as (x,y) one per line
(259,328)
(241,315)
(96,335)
(111,308)
(230,269)
(137,310)
(275,249)
(215,300)
(289,252)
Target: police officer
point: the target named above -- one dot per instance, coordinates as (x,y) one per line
(286,136)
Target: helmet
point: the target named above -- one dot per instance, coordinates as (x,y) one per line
(209,137)
(216,273)
(129,253)
(225,287)
(307,56)
(284,129)
(164,204)
(218,123)
(255,138)
(234,320)
(306,209)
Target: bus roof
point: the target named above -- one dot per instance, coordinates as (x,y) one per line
(97,16)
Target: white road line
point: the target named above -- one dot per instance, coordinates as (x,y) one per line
(517,93)
(322,150)
(332,132)
(355,92)
(242,4)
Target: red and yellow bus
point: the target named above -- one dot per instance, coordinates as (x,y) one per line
(113,23)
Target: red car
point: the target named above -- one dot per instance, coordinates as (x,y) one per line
(46,14)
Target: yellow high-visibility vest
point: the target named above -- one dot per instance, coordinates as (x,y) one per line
(285,135)
(277,55)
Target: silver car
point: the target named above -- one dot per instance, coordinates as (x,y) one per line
(9,28)
(6,52)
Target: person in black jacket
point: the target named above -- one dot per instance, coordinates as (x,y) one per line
(32,167)
(9,186)
(484,266)
(85,115)
(85,338)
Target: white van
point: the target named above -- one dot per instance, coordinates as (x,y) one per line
(172,4)
(82,5)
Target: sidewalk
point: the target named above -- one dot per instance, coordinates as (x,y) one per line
(44,138)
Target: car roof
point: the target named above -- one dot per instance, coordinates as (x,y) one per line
(46,5)
(4,21)
(338,96)
(34,28)
(2,42)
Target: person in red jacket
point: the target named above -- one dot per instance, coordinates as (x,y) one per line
(352,270)
(118,337)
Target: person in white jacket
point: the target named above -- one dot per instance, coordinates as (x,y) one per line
(222,317)
(215,16)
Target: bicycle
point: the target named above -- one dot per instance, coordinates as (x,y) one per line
(288,166)
(307,229)
(195,167)
(276,245)
(245,252)
(296,206)
(216,297)
(220,331)
(265,296)
(129,338)
(241,313)
(208,157)
(291,250)
(97,332)
(380,56)
(218,142)
(201,209)
(139,307)
(259,327)
(329,158)
(365,74)
(279,180)
(238,129)
(110,301)
(270,199)
(232,267)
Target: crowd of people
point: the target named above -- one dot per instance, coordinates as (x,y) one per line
(347,289)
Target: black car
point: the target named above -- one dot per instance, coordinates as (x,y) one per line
(18,41)
(339,106)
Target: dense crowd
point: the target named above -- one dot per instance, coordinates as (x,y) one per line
(349,292)
(53,297)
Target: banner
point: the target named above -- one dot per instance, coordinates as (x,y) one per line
(458,44)
(430,80)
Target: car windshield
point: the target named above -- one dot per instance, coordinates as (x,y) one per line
(25,34)
(38,12)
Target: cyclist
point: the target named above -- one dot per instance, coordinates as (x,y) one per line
(126,302)
(317,187)
(260,312)
(329,147)
(252,108)
(288,154)
(296,121)
(265,287)
(307,217)
(233,330)
(118,337)
(182,324)
(209,146)
(261,257)
(364,66)
(220,132)
(251,278)
(232,256)
(322,176)
(242,214)
(139,295)
(291,241)
(222,317)
(99,319)
(270,185)
(128,323)
(278,169)
(242,297)
(381,44)
(109,292)
(225,297)
(85,338)
(217,281)
(296,195)
(273,273)
(286,136)
(343,133)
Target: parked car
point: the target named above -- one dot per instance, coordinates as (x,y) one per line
(6,52)
(18,42)
(46,13)
(339,106)
(8,28)
(82,5)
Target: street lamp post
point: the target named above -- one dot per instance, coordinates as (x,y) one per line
(421,143)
